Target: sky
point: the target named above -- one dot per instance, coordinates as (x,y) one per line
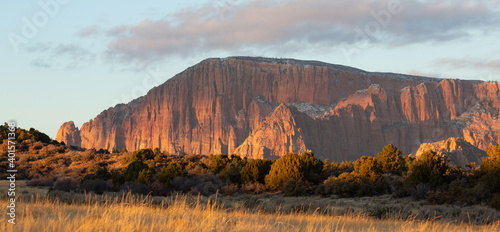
(65,60)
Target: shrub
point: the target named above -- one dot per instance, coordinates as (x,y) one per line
(98,173)
(311,167)
(367,167)
(199,170)
(172,170)
(118,178)
(206,185)
(218,162)
(158,189)
(232,171)
(475,195)
(429,168)
(255,188)
(391,160)
(37,145)
(420,191)
(158,157)
(96,186)
(40,182)
(145,176)
(345,185)
(182,184)
(133,169)
(229,189)
(206,188)
(135,188)
(142,155)
(439,197)
(490,169)
(286,168)
(88,155)
(255,171)
(495,202)
(296,188)
(66,184)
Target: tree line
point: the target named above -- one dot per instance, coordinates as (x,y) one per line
(429,177)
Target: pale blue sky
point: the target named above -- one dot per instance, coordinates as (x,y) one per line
(87,56)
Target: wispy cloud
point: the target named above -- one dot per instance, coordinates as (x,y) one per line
(40,63)
(89,31)
(296,25)
(474,63)
(67,56)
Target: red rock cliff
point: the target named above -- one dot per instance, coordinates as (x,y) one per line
(69,134)
(260,107)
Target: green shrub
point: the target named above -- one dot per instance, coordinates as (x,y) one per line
(142,155)
(66,184)
(158,157)
(255,171)
(429,168)
(490,169)
(311,167)
(345,185)
(391,160)
(96,186)
(286,168)
(475,195)
(296,188)
(232,170)
(145,176)
(169,172)
(231,173)
(133,169)
(218,162)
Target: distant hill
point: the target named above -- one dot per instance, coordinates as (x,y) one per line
(22,134)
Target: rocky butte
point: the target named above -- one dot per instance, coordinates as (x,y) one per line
(264,108)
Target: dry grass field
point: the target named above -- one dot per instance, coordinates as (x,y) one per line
(22,188)
(184,213)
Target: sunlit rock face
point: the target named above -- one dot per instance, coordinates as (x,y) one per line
(456,150)
(265,108)
(69,134)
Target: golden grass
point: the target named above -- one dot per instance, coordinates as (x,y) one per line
(131,213)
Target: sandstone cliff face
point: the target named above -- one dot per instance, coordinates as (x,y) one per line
(69,134)
(458,150)
(259,107)
(276,135)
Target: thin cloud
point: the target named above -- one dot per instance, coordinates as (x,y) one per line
(273,24)
(41,63)
(67,55)
(89,31)
(475,63)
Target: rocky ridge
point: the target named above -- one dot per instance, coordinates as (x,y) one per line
(263,107)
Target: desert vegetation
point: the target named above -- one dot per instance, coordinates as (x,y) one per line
(294,192)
